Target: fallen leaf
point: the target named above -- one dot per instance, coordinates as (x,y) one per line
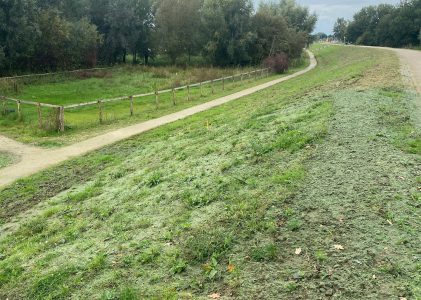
(230,268)
(338,247)
(390,222)
(298,251)
(215,296)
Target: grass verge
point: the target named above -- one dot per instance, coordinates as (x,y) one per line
(6,159)
(82,123)
(221,202)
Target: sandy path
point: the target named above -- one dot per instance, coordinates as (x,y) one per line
(412,59)
(34,159)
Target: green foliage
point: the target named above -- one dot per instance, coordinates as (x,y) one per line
(177,31)
(387,25)
(62,35)
(340,28)
(298,17)
(266,252)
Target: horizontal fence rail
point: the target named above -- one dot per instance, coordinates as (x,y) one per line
(60,109)
(54,73)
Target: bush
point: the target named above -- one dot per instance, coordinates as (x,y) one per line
(278,63)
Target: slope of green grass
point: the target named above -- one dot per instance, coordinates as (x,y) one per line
(220,202)
(6,159)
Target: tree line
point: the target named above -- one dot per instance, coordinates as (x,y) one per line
(383,25)
(48,35)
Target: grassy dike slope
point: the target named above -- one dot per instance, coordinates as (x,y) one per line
(219,202)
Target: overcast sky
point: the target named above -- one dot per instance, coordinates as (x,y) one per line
(329,10)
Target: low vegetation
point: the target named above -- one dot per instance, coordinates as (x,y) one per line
(244,201)
(84,121)
(6,159)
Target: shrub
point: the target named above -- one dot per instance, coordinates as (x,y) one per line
(278,63)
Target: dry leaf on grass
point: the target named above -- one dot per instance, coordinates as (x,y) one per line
(215,296)
(338,247)
(230,268)
(298,251)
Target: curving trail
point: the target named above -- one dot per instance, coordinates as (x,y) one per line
(33,160)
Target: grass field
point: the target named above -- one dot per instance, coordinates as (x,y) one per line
(6,159)
(109,83)
(84,122)
(307,190)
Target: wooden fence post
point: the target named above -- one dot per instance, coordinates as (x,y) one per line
(188,90)
(4,105)
(61,119)
(223,83)
(100,111)
(213,91)
(131,106)
(39,115)
(242,77)
(173,97)
(156,97)
(19,111)
(201,89)
(261,74)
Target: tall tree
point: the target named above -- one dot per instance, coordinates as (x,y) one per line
(18,33)
(178,27)
(129,23)
(340,29)
(227,26)
(387,25)
(297,16)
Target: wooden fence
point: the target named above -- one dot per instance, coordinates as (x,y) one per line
(60,109)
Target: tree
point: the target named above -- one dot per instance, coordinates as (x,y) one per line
(340,29)
(53,39)
(297,16)
(227,24)
(269,29)
(84,43)
(178,27)
(274,35)
(128,24)
(18,33)
(321,36)
(387,25)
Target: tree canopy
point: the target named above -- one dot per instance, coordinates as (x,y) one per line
(387,25)
(48,35)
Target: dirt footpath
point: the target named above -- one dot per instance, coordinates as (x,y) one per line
(412,59)
(33,160)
